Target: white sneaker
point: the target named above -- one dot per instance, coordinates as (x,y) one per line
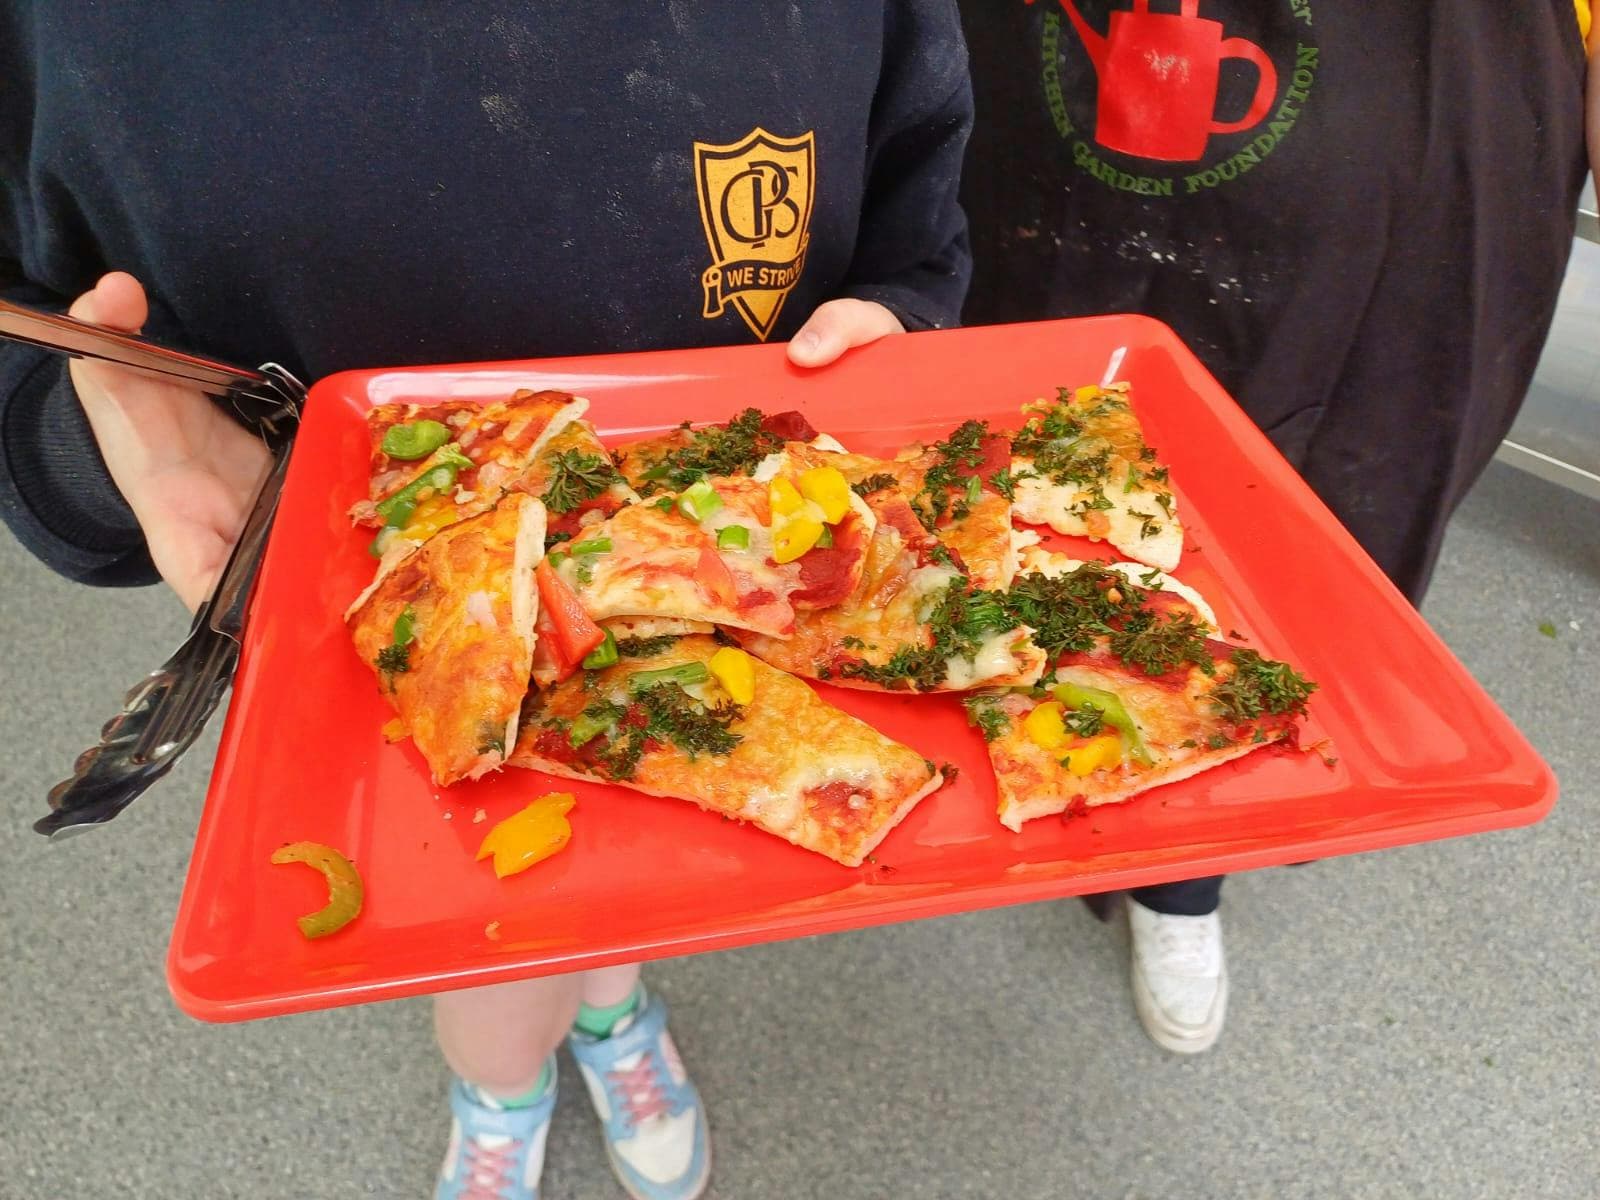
(649,1110)
(1180,980)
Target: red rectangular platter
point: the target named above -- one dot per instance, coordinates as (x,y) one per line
(1410,748)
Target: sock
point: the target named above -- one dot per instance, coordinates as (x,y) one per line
(599,1022)
(527,1100)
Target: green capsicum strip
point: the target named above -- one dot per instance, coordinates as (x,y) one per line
(599,545)
(733,537)
(684,675)
(448,463)
(415,439)
(604,655)
(699,501)
(586,727)
(344,886)
(1109,706)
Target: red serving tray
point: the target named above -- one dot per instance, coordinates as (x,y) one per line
(1421,751)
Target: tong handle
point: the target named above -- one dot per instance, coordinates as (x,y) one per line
(80,339)
(163,714)
(224,610)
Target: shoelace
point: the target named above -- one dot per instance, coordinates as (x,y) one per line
(490,1170)
(641,1089)
(1182,947)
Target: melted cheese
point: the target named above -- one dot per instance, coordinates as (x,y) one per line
(993,659)
(1041,501)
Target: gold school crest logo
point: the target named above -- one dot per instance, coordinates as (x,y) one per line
(755,204)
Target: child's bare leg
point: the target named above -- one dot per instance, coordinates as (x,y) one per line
(500,1037)
(607,986)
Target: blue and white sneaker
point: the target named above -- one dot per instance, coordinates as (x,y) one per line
(655,1127)
(494,1153)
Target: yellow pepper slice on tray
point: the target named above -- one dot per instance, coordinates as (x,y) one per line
(530,836)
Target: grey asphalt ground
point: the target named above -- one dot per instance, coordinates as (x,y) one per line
(1415,1023)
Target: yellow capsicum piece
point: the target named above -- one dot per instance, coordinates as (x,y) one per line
(527,837)
(736,672)
(1087,392)
(794,537)
(433,514)
(1045,726)
(1102,751)
(784,497)
(829,490)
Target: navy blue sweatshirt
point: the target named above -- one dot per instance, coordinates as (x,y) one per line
(331,186)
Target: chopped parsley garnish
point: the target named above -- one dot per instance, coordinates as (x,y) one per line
(960,460)
(1085,721)
(852,643)
(1004,482)
(920,666)
(1069,613)
(664,713)
(576,477)
(1159,644)
(557,537)
(1148,525)
(677,717)
(731,449)
(395,658)
(1083,462)
(1218,741)
(985,714)
(960,622)
(873,483)
(1260,685)
(644,647)
(1057,424)
(1095,500)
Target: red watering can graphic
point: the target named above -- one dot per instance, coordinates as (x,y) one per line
(1158,76)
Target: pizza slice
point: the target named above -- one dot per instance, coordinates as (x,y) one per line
(736,551)
(432,467)
(696,721)
(1081,466)
(1140,693)
(1035,560)
(913,622)
(681,457)
(450,633)
(958,488)
(576,477)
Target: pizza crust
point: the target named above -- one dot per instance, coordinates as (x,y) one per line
(1023,796)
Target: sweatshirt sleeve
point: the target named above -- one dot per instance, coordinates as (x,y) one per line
(912,254)
(56,494)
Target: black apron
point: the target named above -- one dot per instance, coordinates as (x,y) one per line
(1357,215)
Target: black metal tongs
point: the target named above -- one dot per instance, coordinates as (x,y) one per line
(163,713)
